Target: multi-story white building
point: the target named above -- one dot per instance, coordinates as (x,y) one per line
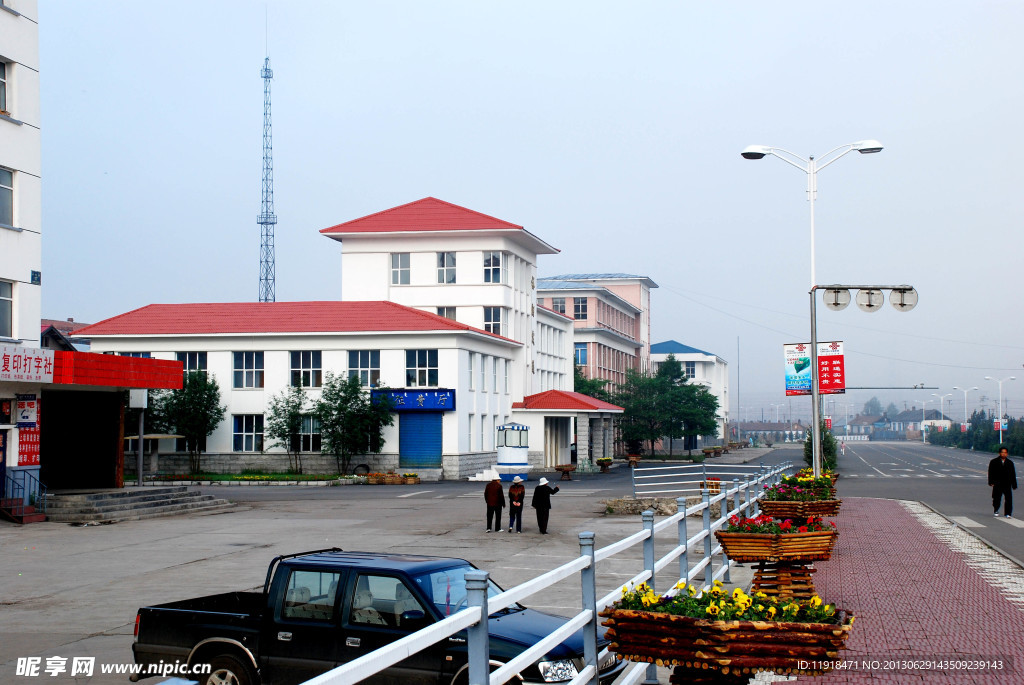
(703,368)
(438,303)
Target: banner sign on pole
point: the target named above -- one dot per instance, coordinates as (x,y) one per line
(831,368)
(828,423)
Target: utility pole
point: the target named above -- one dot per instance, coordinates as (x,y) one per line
(267,219)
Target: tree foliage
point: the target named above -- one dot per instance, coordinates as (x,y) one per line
(592,387)
(982,435)
(194,411)
(891,410)
(284,423)
(351,420)
(828,448)
(873,407)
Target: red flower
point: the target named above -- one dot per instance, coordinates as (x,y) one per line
(802,529)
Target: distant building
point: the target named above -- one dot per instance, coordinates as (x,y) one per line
(702,368)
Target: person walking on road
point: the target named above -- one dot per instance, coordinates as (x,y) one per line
(494,496)
(542,503)
(1002,476)
(516,496)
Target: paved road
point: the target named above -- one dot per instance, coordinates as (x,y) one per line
(951,481)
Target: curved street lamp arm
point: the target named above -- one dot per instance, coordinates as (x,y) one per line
(824,160)
(789,157)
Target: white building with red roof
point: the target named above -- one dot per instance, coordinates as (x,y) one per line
(438,303)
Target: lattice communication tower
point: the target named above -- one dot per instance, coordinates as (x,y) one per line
(267,219)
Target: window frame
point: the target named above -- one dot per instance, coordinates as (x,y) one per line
(445,270)
(558,304)
(689,369)
(445,311)
(7,190)
(421,368)
(497,327)
(248,377)
(187,359)
(579,308)
(577,349)
(490,269)
(246,440)
(309,375)
(7,310)
(400,273)
(309,438)
(368,372)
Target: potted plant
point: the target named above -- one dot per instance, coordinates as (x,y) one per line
(392,478)
(410,478)
(730,633)
(604,463)
(713,484)
(794,501)
(375,478)
(765,539)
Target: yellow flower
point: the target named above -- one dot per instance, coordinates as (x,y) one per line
(760,607)
(712,609)
(716,583)
(771,612)
(851,619)
(691,590)
(815,601)
(829,610)
(760,595)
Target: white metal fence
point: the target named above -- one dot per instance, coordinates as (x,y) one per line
(737,498)
(677,480)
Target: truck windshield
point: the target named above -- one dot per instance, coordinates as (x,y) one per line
(446,588)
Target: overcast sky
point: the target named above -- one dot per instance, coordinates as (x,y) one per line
(610,130)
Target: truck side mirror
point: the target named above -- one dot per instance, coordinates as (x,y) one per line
(413,615)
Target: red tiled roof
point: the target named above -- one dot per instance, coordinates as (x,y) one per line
(564,400)
(274,317)
(549,309)
(428,214)
(65,327)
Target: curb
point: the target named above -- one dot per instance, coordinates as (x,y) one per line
(974,535)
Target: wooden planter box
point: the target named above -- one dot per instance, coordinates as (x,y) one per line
(751,547)
(713,486)
(725,646)
(801,510)
(375,480)
(393,479)
(604,466)
(411,481)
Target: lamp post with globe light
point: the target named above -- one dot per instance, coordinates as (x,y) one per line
(965,391)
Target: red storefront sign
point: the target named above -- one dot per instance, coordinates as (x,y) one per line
(28,441)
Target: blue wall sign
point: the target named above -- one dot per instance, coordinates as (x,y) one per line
(419,400)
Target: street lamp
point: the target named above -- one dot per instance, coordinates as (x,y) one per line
(1000,382)
(777,411)
(922,417)
(965,391)
(941,398)
(811,167)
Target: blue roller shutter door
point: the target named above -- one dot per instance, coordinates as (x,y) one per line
(419,436)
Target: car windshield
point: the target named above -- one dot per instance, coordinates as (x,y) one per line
(446,588)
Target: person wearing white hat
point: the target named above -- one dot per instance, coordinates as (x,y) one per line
(494,496)
(542,503)
(516,496)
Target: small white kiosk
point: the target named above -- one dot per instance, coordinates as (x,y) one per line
(513,444)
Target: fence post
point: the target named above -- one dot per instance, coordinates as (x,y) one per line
(746,496)
(709,568)
(648,519)
(684,561)
(588,583)
(736,496)
(479,647)
(632,480)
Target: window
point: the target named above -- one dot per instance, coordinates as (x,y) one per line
(182,445)
(420,368)
(494,376)
(400,268)
(690,369)
(579,307)
(483,373)
(141,355)
(492,320)
(507,389)
(6,197)
(445,267)
(311,595)
(248,370)
(192,361)
(248,432)
(446,312)
(558,304)
(494,268)
(364,365)
(308,439)
(581,354)
(472,356)
(385,601)
(306,371)
(6,309)
(3,86)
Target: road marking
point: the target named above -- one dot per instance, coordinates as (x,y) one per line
(869,465)
(966,522)
(413,494)
(1014,522)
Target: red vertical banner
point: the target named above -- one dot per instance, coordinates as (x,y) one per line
(831,368)
(28,440)
(828,423)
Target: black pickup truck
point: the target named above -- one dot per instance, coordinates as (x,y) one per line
(323,608)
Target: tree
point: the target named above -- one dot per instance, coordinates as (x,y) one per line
(351,420)
(643,416)
(592,387)
(194,411)
(284,423)
(873,407)
(892,410)
(828,448)
(700,412)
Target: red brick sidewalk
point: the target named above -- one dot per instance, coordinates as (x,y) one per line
(914,598)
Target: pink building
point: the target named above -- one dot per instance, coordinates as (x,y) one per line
(612,319)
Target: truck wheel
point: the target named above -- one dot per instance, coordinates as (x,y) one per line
(228,670)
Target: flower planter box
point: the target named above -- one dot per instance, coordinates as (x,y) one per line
(751,547)
(393,479)
(726,646)
(375,480)
(414,480)
(801,510)
(713,486)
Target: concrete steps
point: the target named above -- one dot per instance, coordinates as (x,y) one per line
(17,511)
(130,504)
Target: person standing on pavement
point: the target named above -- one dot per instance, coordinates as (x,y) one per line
(494,496)
(516,496)
(1002,476)
(542,503)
